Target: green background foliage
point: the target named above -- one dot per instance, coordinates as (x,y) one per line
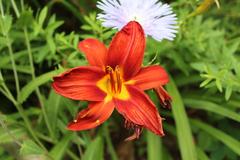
(38,40)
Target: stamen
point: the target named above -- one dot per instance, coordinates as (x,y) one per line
(110,71)
(136,128)
(119,80)
(115,79)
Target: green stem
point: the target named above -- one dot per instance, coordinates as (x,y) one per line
(70,7)
(17,105)
(109,142)
(4,126)
(15,8)
(28,125)
(1,8)
(13,64)
(27,41)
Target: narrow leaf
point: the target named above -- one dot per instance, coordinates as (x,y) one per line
(30,148)
(184,134)
(154,147)
(94,150)
(60,148)
(31,86)
(212,107)
(226,139)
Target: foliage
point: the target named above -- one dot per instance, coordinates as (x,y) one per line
(38,41)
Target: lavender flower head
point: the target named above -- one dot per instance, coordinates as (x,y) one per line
(156,18)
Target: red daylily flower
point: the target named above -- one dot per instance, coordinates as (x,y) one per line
(115,79)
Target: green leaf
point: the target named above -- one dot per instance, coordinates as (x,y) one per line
(228,92)
(94,150)
(229,141)
(59,149)
(154,147)
(38,81)
(42,16)
(31,148)
(5,24)
(5,137)
(212,107)
(184,134)
(25,19)
(201,155)
(52,110)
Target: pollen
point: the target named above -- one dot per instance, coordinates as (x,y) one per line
(97,121)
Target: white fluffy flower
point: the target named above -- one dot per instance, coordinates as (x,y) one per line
(156,18)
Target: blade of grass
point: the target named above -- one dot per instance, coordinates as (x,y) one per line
(201,154)
(184,134)
(154,147)
(94,150)
(229,141)
(212,107)
(60,148)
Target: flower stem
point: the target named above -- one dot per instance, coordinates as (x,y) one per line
(13,64)
(27,41)
(109,142)
(16,104)
(15,8)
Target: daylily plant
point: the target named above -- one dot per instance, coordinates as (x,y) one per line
(115,79)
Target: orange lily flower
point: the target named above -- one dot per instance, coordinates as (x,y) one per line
(115,79)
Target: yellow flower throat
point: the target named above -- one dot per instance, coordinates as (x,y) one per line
(113,84)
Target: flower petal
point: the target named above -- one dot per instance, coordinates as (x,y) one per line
(93,116)
(80,83)
(140,110)
(163,96)
(94,50)
(150,77)
(127,49)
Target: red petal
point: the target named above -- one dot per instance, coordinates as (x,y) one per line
(164,97)
(80,84)
(140,110)
(127,49)
(93,116)
(94,50)
(151,77)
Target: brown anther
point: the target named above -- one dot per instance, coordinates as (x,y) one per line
(164,97)
(136,128)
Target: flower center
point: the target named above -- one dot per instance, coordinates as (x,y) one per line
(114,79)
(113,84)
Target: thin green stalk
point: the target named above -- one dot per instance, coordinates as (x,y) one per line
(109,142)
(69,6)
(27,41)
(13,64)
(1,8)
(18,106)
(15,8)
(4,126)
(72,155)
(22,4)
(28,125)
